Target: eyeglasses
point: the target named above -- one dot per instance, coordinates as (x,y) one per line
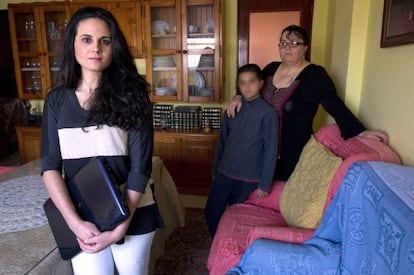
(291,44)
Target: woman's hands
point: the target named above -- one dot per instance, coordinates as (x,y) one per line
(101,240)
(234,106)
(376,135)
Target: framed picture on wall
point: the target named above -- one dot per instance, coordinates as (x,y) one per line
(397,23)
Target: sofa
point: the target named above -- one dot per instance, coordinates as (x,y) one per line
(367,229)
(267,218)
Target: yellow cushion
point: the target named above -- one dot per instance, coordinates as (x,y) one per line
(303,199)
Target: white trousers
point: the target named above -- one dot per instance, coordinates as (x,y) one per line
(130,258)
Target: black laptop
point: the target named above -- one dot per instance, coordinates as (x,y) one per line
(64,237)
(95,193)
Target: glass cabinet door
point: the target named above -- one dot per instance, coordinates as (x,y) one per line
(37,38)
(55,20)
(164,49)
(201,46)
(25,31)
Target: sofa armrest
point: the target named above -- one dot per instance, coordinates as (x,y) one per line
(271,201)
(282,234)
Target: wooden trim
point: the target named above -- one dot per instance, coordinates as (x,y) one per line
(245,7)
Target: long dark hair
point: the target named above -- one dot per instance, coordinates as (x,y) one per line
(121,99)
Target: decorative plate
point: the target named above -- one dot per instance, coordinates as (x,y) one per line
(196,79)
(159,27)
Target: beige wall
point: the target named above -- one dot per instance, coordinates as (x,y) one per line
(387,100)
(375,82)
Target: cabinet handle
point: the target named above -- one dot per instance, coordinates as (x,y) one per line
(177,51)
(185,51)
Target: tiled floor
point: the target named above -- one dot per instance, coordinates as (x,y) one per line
(191,201)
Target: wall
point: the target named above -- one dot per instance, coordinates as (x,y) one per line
(387,100)
(375,82)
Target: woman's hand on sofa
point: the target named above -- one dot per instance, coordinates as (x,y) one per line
(376,135)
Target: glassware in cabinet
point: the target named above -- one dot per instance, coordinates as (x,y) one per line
(190,30)
(201,40)
(163,45)
(37,37)
(56,21)
(30,74)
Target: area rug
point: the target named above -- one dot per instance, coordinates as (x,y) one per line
(21,203)
(187,248)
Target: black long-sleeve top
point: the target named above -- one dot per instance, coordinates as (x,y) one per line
(68,144)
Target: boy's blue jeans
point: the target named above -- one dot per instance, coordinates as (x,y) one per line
(223,192)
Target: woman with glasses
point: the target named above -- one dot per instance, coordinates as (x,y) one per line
(295,87)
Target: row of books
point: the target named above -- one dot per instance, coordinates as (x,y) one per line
(186,117)
(212,117)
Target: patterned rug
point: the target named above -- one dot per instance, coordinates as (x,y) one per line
(187,248)
(21,203)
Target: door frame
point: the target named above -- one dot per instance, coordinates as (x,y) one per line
(245,7)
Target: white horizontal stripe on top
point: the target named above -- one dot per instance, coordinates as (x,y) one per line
(76,143)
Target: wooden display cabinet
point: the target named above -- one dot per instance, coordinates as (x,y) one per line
(36,32)
(29,142)
(188,157)
(183,49)
(128,14)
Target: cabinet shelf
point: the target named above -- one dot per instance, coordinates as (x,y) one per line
(201,35)
(164,36)
(160,69)
(26,39)
(31,69)
(202,69)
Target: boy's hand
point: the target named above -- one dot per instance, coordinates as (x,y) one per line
(261,194)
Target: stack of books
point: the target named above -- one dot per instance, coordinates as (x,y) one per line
(212,117)
(186,118)
(162,116)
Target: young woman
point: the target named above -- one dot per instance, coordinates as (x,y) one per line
(102,108)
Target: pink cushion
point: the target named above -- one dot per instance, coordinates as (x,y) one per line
(351,150)
(231,240)
(270,201)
